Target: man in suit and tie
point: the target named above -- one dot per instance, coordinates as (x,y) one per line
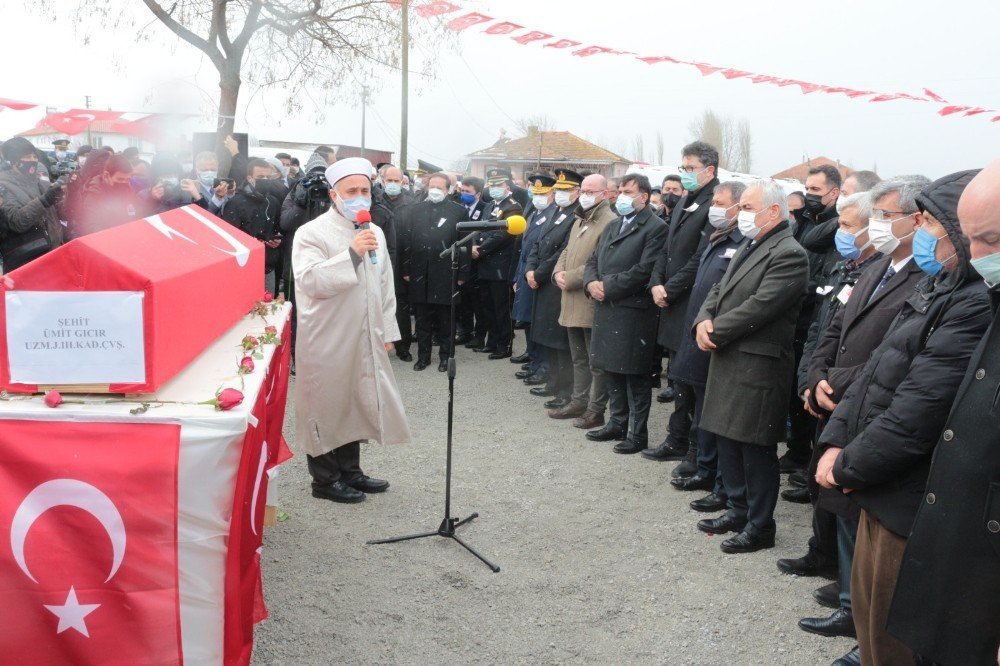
(623,342)
(748,324)
(854,332)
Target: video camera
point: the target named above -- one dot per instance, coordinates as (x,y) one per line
(64,168)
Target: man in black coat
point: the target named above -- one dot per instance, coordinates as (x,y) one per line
(690,365)
(946,604)
(878,442)
(623,342)
(747,322)
(255,209)
(394,197)
(671,285)
(493,257)
(545,329)
(858,327)
(426,229)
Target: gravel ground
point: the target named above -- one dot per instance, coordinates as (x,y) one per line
(601,561)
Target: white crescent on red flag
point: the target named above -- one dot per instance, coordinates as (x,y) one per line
(76,121)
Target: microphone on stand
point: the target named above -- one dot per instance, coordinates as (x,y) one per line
(363,222)
(514,225)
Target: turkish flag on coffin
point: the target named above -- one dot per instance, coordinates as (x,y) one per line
(88,543)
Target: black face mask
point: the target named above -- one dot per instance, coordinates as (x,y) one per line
(814,204)
(797,214)
(671,200)
(28,168)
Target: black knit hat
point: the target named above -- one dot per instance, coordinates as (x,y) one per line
(16,148)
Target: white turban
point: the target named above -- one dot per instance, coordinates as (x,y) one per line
(349,166)
(278,166)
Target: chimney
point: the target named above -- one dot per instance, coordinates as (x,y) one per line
(532,130)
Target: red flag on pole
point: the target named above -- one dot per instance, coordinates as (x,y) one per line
(88,542)
(76,121)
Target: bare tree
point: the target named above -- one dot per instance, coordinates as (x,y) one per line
(639,148)
(539,121)
(660,148)
(731,138)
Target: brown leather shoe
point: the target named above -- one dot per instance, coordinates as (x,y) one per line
(589,420)
(570,411)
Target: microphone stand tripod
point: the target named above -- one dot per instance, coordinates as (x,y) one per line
(450,524)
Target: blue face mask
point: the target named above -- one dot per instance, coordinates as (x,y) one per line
(624,205)
(924,247)
(467,198)
(351,207)
(393,188)
(207,178)
(138,184)
(989,268)
(846,244)
(497,193)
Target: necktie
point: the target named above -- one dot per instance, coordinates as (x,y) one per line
(885,278)
(625,223)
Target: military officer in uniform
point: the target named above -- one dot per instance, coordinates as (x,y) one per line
(545,329)
(426,229)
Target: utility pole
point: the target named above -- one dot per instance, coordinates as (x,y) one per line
(364,105)
(86,99)
(405,61)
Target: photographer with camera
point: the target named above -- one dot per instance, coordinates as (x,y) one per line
(28,207)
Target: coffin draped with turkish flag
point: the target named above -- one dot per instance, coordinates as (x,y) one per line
(125,309)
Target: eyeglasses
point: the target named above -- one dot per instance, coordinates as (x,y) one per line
(690,169)
(880,214)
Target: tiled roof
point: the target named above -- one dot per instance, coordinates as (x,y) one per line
(800,171)
(96,127)
(555,146)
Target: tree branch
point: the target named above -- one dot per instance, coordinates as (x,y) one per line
(203,45)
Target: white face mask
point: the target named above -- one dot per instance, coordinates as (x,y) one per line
(881,237)
(436,194)
(841,200)
(563,199)
(746,222)
(587,201)
(540,201)
(717,216)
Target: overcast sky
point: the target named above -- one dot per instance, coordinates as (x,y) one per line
(484,83)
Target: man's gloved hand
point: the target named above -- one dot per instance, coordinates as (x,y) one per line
(54,193)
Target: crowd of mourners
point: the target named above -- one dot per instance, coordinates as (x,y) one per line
(850,325)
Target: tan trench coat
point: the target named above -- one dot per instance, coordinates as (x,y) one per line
(578,310)
(345,389)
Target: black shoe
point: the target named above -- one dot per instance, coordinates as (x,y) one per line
(665,452)
(536,379)
(709,504)
(484,350)
(443,365)
(787,465)
(722,524)
(473,343)
(828,595)
(404,356)
(520,358)
(367,484)
(628,447)
(524,374)
(606,434)
(684,470)
(666,395)
(840,623)
(796,495)
(338,491)
(520,325)
(798,479)
(809,565)
(464,338)
(527,366)
(747,543)
(852,658)
(696,482)
(543,391)
(421,365)
(556,403)
(436,340)
(497,355)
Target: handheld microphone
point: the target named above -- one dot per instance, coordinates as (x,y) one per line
(364,220)
(514,225)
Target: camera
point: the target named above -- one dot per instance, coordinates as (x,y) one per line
(312,190)
(64,168)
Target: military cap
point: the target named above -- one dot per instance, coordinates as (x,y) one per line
(498,176)
(541,183)
(427,167)
(567,179)
(61,143)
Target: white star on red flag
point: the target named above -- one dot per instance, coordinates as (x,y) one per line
(72,613)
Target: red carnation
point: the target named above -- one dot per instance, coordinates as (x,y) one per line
(268,297)
(271,330)
(229,398)
(53,399)
(246,365)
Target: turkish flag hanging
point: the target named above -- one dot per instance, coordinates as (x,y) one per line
(88,543)
(75,121)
